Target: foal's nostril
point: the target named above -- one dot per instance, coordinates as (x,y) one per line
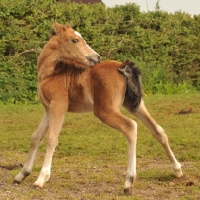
(99,57)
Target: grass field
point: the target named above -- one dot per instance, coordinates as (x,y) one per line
(91,158)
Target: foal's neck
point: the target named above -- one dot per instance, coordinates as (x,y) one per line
(53,61)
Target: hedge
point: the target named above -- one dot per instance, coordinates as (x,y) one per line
(165,46)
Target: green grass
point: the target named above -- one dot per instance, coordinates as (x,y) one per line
(91,158)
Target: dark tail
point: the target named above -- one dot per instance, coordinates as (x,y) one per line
(133,94)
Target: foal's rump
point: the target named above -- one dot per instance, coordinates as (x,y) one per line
(117,84)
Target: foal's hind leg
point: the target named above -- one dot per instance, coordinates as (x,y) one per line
(35,142)
(56,112)
(128,127)
(158,132)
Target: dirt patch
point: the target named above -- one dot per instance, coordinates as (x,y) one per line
(101,182)
(11,167)
(185,111)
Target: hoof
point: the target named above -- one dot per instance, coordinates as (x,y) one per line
(178,173)
(38,185)
(15,182)
(128,191)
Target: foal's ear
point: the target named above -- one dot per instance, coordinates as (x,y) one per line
(58,28)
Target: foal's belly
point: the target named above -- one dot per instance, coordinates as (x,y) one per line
(80,104)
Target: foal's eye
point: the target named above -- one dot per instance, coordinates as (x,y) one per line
(74,40)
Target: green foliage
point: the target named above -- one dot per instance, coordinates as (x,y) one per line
(165,46)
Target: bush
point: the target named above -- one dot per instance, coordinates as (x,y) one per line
(165,46)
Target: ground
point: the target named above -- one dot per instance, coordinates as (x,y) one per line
(92,166)
(155,181)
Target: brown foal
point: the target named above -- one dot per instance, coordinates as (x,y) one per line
(72,79)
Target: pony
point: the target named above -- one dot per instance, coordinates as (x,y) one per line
(71,78)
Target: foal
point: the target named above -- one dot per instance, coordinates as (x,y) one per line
(72,79)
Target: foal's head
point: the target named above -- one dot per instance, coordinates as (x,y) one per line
(72,47)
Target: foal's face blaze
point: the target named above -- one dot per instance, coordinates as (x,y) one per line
(94,57)
(75,46)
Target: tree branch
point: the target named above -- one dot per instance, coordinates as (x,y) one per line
(29,51)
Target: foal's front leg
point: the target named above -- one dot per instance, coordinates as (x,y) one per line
(158,132)
(55,123)
(35,142)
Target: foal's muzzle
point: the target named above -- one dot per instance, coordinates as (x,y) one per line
(94,59)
